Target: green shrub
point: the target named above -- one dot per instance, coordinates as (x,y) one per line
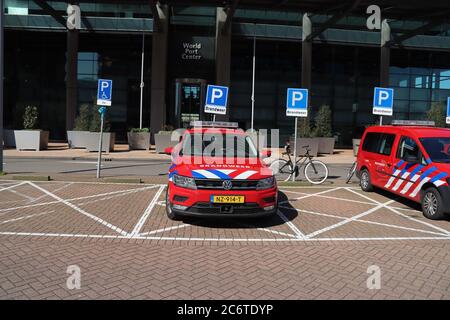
(304,128)
(137,130)
(82,122)
(322,122)
(167,127)
(30,118)
(437,113)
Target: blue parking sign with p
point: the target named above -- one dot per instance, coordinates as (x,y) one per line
(104,92)
(297,102)
(447,119)
(383,101)
(216,99)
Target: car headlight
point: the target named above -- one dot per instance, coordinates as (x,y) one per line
(184,182)
(266,183)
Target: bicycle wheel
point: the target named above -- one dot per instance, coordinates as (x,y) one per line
(282,169)
(351,172)
(316,172)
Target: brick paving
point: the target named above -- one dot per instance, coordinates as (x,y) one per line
(319,246)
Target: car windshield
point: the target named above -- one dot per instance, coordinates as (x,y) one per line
(437,148)
(218,145)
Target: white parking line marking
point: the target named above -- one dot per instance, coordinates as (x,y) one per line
(400,227)
(13,186)
(26,217)
(37,234)
(340,224)
(329,197)
(364,221)
(298,233)
(147,212)
(56,190)
(77,198)
(415,220)
(312,195)
(164,230)
(277,232)
(87,214)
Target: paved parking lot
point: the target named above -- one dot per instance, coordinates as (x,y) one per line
(319,245)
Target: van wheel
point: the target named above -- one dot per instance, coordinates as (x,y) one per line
(170,214)
(364,181)
(432,206)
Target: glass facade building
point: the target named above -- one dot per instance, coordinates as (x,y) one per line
(188,45)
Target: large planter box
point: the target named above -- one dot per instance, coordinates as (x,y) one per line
(31,139)
(163,141)
(326,145)
(77,139)
(109,139)
(139,140)
(356,143)
(9,139)
(313,144)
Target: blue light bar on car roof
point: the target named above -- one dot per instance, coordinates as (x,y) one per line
(214,124)
(412,123)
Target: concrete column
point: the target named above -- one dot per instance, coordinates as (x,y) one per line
(159,70)
(385,54)
(71,78)
(223,56)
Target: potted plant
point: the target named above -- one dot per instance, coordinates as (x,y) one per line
(322,130)
(77,138)
(31,138)
(437,114)
(139,138)
(109,138)
(163,139)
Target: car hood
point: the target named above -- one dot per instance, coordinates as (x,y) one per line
(213,168)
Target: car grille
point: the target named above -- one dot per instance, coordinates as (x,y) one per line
(217,184)
(216,208)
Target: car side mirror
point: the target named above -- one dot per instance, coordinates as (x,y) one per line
(266,154)
(168,150)
(411,159)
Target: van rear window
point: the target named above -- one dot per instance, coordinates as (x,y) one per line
(380,143)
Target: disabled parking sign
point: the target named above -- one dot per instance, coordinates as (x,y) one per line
(297,102)
(447,119)
(383,101)
(104,92)
(216,99)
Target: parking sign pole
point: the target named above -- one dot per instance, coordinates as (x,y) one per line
(100,146)
(381,120)
(295,148)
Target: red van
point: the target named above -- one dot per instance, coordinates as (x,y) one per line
(410,161)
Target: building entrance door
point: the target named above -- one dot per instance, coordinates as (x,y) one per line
(189,100)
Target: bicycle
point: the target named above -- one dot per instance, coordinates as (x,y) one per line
(351,172)
(315,171)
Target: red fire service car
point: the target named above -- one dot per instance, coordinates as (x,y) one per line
(217,171)
(410,160)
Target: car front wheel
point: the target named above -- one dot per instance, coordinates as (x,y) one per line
(170,214)
(365,182)
(432,205)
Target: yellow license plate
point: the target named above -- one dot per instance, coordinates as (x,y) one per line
(227,199)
